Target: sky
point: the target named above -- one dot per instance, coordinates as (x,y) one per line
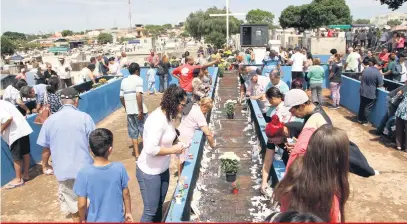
(35,16)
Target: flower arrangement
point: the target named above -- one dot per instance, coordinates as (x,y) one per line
(230,107)
(103,81)
(230,162)
(235,187)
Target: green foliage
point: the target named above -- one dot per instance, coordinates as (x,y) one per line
(200,25)
(154,30)
(7,46)
(316,14)
(393,4)
(394,22)
(258,16)
(167,26)
(67,33)
(229,165)
(361,21)
(230,107)
(105,38)
(15,35)
(184,34)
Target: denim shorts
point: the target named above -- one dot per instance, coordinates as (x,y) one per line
(135,127)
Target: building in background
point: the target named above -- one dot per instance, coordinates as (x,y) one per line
(381,20)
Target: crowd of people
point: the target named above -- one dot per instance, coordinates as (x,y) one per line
(297,126)
(166,131)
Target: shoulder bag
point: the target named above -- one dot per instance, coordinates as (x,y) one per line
(44,112)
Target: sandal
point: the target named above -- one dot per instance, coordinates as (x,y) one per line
(12,186)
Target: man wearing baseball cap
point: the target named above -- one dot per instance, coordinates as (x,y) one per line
(65,135)
(314,117)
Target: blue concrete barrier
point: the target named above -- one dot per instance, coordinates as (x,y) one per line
(98,103)
(278,167)
(181,212)
(350,99)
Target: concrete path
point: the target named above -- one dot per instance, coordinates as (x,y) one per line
(218,204)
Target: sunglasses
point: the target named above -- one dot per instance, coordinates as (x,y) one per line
(183,104)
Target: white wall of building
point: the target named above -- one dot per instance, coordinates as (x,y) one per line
(382,19)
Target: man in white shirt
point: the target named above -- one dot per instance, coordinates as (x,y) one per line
(15,131)
(131,97)
(352,61)
(257,91)
(64,73)
(298,61)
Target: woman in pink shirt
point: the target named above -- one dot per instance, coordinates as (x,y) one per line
(22,75)
(317,182)
(400,43)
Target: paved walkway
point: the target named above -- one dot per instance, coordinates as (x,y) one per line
(218,204)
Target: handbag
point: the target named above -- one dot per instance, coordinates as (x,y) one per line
(44,112)
(396,100)
(160,70)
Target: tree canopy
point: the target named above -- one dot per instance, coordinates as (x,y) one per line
(392,4)
(105,38)
(7,46)
(258,16)
(15,35)
(154,30)
(394,22)
(361,21)
(200,25)
(67,33)
(316,14)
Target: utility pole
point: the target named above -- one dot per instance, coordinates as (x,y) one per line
(130,16)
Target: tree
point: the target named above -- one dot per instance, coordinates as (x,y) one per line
(105,38)
(184,34)
(7,46)
(15,35)
(66,33)
(394,22)
(167,26)
(361,21)
(393,4)
(258,16)
(200,25)
(316,14)
(154,30)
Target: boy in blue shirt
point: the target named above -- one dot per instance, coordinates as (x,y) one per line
(151,79)
(104,183)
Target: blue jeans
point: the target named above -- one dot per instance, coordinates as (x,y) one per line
(153,190)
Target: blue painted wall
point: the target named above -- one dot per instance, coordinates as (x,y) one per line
(350,99)
(180,212)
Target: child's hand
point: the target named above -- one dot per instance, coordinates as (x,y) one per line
(128,217)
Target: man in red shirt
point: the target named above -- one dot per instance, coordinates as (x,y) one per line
(184,74)
(153,58)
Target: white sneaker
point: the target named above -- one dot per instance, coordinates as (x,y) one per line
(376,172)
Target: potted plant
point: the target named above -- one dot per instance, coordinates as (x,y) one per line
(230,107)
(230,164)
(235,188)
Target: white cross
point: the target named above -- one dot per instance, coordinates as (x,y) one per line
(227,19)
